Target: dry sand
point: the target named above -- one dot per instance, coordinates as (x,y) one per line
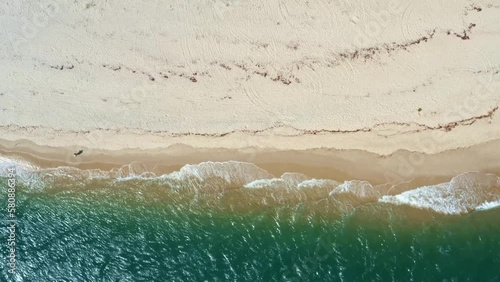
(380,77)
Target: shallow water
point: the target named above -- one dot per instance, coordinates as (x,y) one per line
(225,222)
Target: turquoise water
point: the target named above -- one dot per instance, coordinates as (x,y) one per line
(80,228)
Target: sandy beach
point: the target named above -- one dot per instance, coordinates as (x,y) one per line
(377,77)
(243,140)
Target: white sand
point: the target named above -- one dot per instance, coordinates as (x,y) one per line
(282,74)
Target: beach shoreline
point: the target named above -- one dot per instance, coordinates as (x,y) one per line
(339,165)
(388,92)
(237,140)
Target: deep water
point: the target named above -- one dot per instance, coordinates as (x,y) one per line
(146,230)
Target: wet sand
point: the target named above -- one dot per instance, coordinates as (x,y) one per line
(401,166)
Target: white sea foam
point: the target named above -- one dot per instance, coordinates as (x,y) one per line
(19,164)
(293,177)
(267,183)
(488,205)
(292,181)
(232,172)
(463,194)
(318,183)
(362,190)
(24,170)
(287,180)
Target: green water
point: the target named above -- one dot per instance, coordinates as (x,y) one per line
(146,231)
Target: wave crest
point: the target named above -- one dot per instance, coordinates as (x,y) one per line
(356,192)
(464,193)
(232,172)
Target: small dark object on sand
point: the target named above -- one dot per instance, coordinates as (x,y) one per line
(78,153)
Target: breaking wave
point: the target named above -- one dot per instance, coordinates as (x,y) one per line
(463,194)
(488,205)
(232,172)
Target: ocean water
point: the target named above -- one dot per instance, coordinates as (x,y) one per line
(233,221)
